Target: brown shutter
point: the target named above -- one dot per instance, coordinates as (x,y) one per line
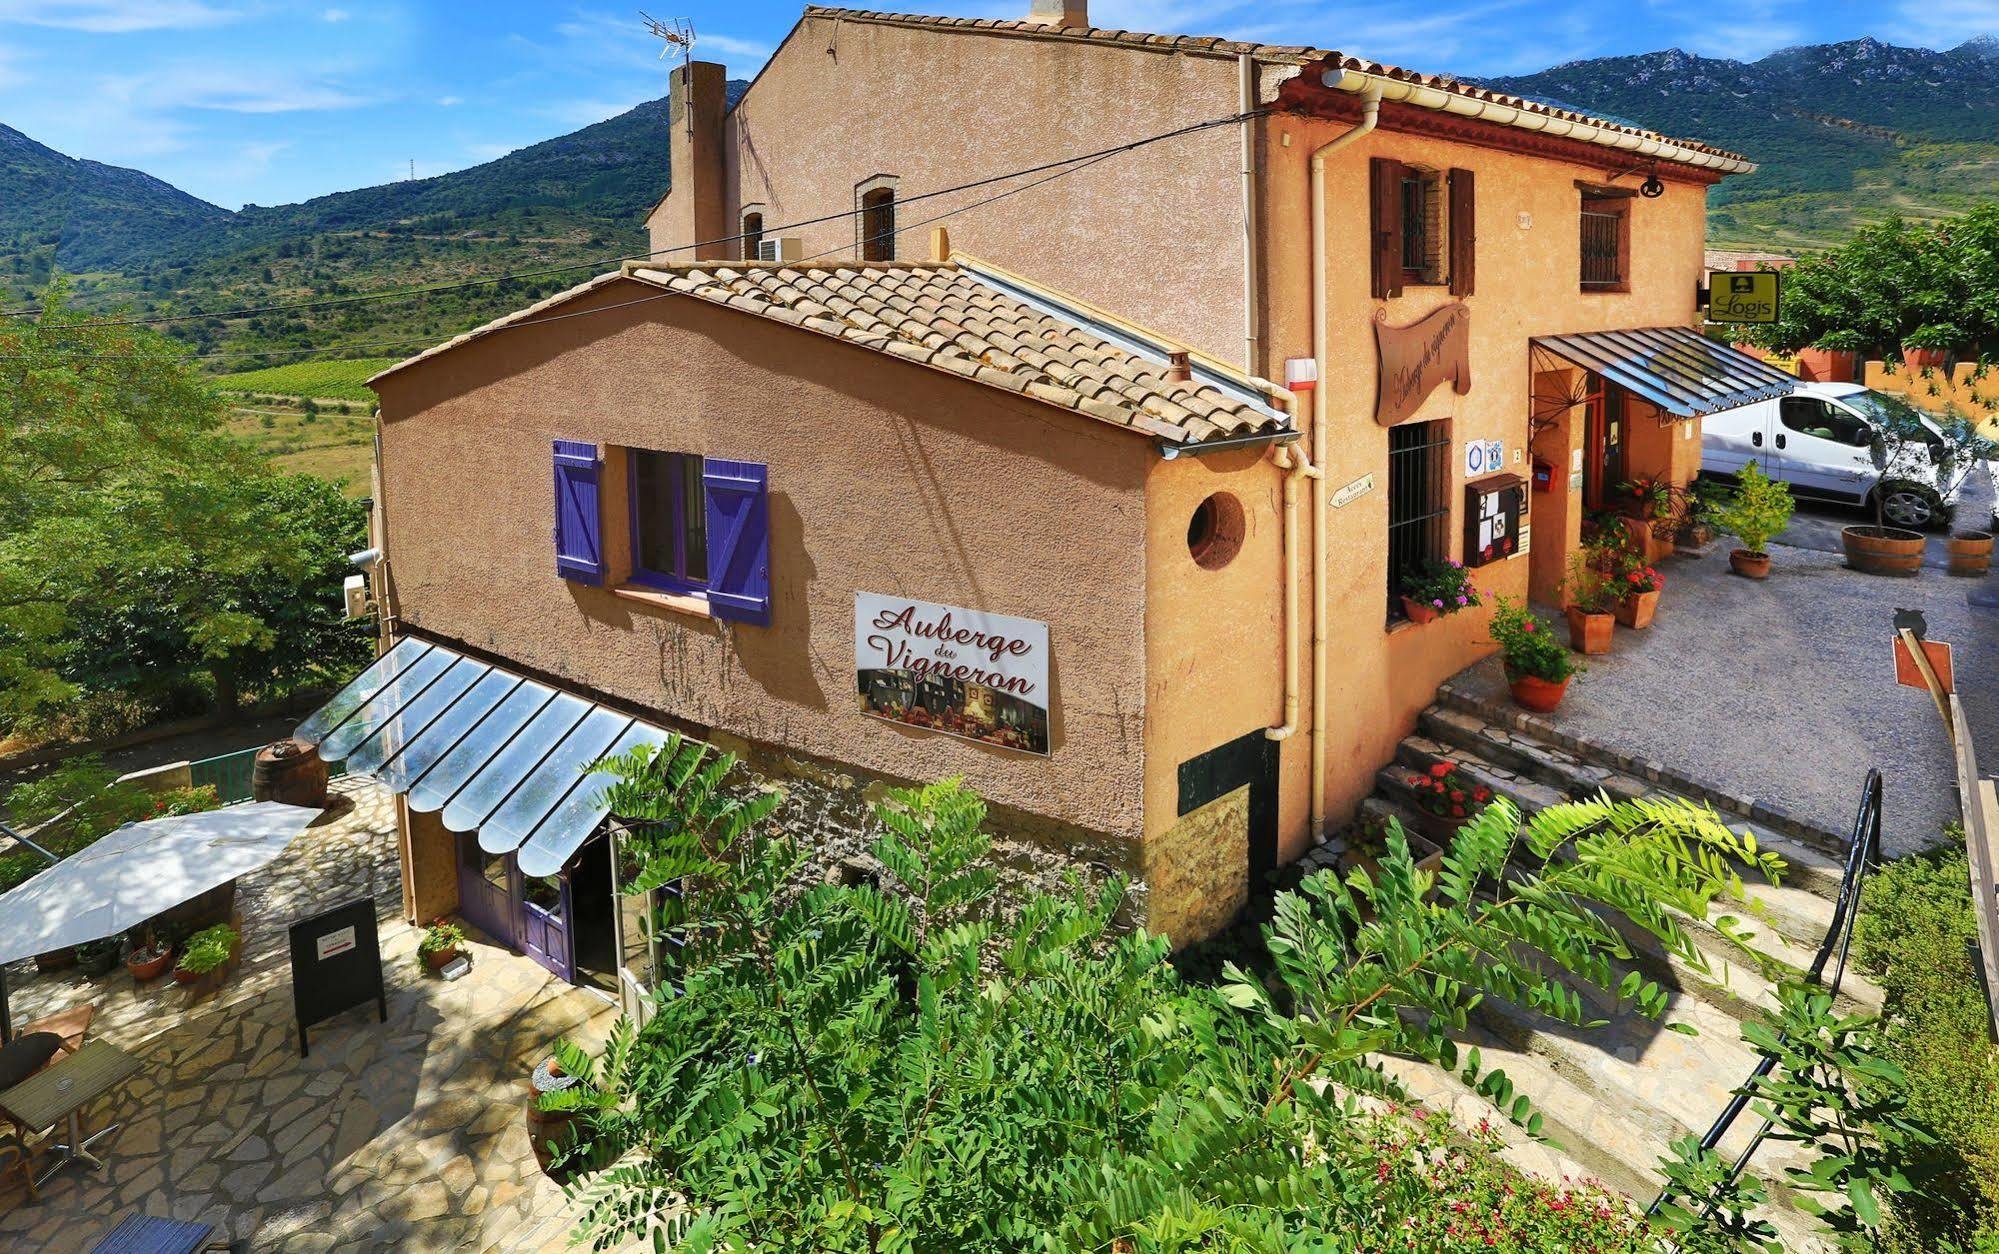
(1464,233)
(1385,198)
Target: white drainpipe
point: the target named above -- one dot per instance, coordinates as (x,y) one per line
(1370,114)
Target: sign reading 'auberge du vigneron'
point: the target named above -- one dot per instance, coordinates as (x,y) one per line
(963,672)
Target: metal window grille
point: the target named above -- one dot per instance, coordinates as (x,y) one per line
(1419,507)
(1603,261)
(878,225)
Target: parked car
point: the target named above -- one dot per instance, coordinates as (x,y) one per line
(1817,440)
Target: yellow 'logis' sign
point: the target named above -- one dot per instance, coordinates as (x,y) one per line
(1742,296)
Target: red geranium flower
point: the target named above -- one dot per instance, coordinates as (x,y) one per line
(1440,770)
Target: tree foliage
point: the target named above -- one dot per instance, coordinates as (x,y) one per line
(135,536)
(906,1065)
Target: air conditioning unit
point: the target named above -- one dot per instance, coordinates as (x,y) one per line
(780,248)
(354,592)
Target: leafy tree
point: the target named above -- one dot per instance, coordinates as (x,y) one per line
(914,1065)
(271,627)
(113,464)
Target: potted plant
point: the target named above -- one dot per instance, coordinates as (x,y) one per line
(1755,513)
(1927,347)
(1833,357)
(1917,459)
(149,955)
(1637,583)
(440,944)
(1437,589)
(98,957)
(1445,792)
(1591,600)
(1698,503)
(207,951)
(1538,668)
(1970,553)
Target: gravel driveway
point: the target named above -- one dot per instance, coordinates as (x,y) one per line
(1783,690)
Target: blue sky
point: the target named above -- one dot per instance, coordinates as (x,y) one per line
(271,101)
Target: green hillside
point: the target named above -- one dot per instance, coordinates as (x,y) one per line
(1844,133)
(576,201)
(311,380)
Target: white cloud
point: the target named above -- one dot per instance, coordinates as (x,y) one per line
(729,45)
(1946,23)
(576,113)
(258,155)
(482,153)
(336,15)
(10,72)
(115,16)
(450,102)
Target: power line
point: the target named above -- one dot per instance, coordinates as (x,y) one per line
(363,298)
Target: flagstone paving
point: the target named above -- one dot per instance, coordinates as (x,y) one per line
(405,1135)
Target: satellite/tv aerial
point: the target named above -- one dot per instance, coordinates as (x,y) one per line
(678,33)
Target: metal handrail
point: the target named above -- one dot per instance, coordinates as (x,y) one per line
(1862,851)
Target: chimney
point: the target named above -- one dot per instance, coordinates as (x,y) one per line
(1178,370)
(1062,14)
(695,206)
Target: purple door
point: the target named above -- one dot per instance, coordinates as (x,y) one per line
(486,891)
(545,923)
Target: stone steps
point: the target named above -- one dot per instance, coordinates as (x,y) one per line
(1614,1097)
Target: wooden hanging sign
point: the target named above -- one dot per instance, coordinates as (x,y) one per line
(1416,358)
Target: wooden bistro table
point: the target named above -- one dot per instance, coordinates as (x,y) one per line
(62,1091)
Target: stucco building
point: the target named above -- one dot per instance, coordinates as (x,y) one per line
(1160,425)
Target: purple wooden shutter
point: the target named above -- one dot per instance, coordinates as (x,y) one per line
(738,539)
(579,524)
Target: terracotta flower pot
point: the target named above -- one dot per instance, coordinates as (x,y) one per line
(1420,612)
(1539,695)
(150,968)
(1637,609)
(1828,365)
(1883,550)
(56,959)
(1749,565)
(184,976)
(1920,359)
(1970,553)
(1590,633)
(438,959)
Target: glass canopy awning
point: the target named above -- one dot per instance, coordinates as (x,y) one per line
(1676,368)
(496,753)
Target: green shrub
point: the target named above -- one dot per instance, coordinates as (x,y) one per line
(1915,934)
(1758,512)
(1528,645)
(207,949)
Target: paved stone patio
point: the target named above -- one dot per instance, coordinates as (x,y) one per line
(399,1136)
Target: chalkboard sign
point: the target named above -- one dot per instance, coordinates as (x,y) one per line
(336,965)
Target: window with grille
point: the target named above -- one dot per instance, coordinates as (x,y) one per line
(1605,241)
(1424,226)
(878,225)
(1419,502)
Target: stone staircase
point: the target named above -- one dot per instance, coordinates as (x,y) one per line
(1615,1097)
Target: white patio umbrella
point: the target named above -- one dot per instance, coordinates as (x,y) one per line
(141,869)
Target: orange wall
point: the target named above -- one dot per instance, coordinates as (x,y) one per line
(1154,235)
(1527,285)
(884,477)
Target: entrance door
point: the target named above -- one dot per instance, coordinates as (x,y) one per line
(545,923)
(1603,465)
(486,890)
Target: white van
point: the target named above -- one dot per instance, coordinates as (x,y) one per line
(1816,439)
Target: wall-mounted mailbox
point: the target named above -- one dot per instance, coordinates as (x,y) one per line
(1495,508)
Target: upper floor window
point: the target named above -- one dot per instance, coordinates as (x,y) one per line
(875,223)
(669,521)
(1424,227)
(753,235)
(1606,239)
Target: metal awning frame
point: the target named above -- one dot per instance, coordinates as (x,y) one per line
(1713,376)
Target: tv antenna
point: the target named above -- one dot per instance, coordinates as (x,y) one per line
(678,33)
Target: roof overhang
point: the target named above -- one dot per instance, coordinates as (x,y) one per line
(1678,369)
(488,750)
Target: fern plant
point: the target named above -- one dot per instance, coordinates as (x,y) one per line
(1519,911)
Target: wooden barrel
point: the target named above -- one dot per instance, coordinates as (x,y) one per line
(1970,553)
(1884,550)
(289,771)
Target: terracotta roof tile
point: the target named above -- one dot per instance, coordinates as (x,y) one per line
(1287,54)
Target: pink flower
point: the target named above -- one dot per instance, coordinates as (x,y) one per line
(1439,603)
